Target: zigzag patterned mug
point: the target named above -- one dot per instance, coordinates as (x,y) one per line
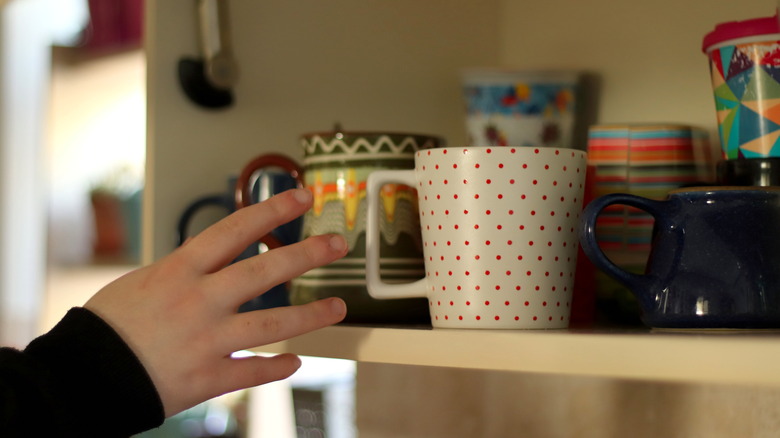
(335,167)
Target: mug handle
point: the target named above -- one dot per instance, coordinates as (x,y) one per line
(220,200)
(590,245)
(376,287)
(243,190)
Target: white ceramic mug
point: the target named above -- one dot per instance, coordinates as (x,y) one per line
(500,235)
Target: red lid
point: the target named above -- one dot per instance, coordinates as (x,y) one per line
(740,29)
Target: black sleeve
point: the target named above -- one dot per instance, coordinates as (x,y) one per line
(79,380)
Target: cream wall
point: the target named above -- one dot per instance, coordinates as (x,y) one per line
(370,65)
(644,57)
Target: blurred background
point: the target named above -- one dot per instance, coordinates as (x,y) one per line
(73,139)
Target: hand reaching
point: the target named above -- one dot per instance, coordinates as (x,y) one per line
(179,315)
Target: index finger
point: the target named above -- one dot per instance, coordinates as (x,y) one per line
(219,244)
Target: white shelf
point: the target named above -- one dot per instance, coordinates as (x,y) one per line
(730,357)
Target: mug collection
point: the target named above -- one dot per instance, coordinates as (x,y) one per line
(528,226)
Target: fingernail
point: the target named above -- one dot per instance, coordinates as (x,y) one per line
(302,195)
(338,307)
(337,243)
(297,362)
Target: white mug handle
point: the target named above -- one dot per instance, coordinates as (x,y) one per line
(376,287)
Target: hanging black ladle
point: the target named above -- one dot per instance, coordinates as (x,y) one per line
(208,81)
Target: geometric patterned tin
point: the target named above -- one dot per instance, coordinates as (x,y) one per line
(746,87)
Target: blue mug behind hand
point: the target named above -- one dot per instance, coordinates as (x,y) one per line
(715,258)
(267,184)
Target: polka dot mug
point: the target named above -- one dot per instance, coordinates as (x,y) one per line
(500,235)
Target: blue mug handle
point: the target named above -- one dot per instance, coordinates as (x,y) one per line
(225,201)
(590,245)
(222,200)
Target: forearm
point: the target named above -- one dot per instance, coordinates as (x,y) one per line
(80,379)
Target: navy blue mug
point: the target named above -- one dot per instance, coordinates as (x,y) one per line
(265,185)
(715,258)
(223,201)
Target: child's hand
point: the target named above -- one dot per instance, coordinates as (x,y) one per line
(179,315)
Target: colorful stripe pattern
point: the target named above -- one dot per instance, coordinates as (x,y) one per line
(645,160)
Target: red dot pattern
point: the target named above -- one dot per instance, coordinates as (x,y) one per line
(500,234)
